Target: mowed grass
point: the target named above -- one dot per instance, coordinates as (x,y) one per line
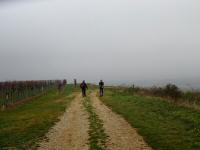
(164,126)
(24,126)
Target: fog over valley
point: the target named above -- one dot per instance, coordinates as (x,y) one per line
(122,42)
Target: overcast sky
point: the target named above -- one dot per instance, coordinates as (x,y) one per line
(120,41)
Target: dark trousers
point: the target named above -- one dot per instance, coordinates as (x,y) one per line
(84,92)
(101,91)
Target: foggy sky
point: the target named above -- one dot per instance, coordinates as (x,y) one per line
(119,41)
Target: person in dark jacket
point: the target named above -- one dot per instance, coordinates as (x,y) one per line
(101,88)
(84,87)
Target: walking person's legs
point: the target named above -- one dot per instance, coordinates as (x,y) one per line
(83,92)
(101,91)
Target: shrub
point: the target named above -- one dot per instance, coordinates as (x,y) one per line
(172,91)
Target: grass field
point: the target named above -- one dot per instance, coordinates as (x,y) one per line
(23,126)
(164,126)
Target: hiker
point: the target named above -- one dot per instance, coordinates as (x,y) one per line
(83,86)
(101,88)
(75,83)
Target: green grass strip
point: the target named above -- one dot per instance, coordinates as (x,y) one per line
(97,134)
(22,127)
(163,125)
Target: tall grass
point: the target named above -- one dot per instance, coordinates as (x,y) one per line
(170,91)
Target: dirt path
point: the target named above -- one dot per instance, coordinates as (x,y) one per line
(71,132)
(121,135)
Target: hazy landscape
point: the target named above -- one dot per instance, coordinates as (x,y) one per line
(119,42)
(99,75)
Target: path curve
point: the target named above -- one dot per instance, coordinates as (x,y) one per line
(121,135)
(71,132)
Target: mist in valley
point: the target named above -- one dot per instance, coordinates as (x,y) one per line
(122,42)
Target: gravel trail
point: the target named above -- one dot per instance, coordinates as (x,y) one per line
(121,135)
(71,132)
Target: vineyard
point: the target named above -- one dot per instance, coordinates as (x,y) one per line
(14,91)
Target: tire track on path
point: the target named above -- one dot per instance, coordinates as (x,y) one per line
(71,132)
(121,135)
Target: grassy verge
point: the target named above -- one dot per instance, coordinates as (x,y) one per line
(163,125)
(96,132)
(24,126)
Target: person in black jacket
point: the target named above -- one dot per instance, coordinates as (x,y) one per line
(101,88)
(83,86)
